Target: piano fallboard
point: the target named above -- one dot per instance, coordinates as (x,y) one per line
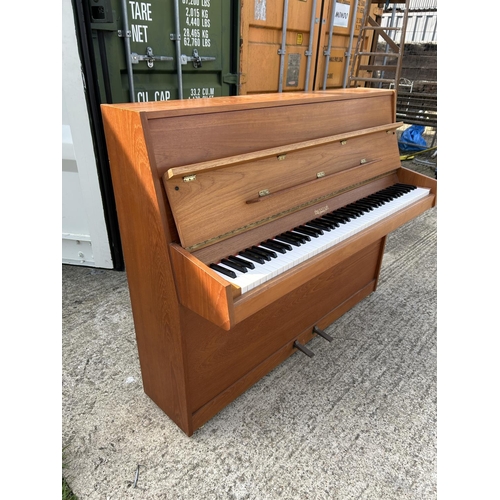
(212,201)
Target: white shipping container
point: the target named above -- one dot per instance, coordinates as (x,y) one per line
(84,234)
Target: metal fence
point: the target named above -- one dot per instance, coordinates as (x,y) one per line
(417,95)
(423,5)
(416,5)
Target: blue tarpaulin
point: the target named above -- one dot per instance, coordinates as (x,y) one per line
(412,140)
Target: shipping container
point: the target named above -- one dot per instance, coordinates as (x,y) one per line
(161,50)
(296,45)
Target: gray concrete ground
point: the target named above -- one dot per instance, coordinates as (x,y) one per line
(358,421)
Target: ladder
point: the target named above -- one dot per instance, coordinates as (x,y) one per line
(381,66)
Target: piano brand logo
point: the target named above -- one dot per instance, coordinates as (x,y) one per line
(321,210)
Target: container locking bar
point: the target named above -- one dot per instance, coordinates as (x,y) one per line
(196,59)
(150,58)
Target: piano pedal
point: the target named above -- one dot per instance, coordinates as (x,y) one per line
(323,334)
(303,349)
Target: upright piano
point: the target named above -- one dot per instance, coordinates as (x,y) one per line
(249,224)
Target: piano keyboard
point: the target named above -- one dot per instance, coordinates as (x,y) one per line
(258,264)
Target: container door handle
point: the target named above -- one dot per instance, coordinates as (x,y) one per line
(196,59)
(150,58)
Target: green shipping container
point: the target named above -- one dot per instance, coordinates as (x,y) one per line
(164,49)
(156,50)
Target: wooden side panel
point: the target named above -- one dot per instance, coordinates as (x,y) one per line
(411,177)
(145,232)
(201,289)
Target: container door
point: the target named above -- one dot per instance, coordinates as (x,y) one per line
(160,50)
(279,43)
(337,48)
(284,44)
(85,239)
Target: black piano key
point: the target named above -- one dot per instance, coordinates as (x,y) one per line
(364,205)
(393,191)
(343,212)
(392,194)
(338,215)
(388,189)
(273,245)
(408,187)
(373,202)
(252,256)
(384,194)
(336,218)
(243,262)
(291,238)
(329,222)
(282,244)
(319,225)
(303,238)
(359,205)
(234,265)
(259,252)
(223,270)
(267,251)
(310,231)
(395,187)
(287,239)
(354,209)
(383,198)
